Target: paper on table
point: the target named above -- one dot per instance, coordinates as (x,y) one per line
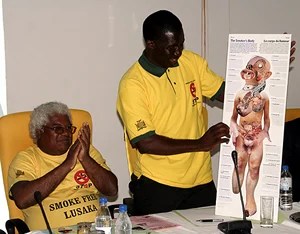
(152,222)
(177,230)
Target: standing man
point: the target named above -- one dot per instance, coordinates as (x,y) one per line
(160,102)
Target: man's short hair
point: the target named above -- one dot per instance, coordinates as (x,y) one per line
(159,22)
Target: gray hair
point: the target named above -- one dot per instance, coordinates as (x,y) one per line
(41,114)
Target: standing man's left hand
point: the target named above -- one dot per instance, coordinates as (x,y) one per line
(293,49)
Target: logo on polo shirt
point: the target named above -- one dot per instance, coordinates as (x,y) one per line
(193,93)
(81,177)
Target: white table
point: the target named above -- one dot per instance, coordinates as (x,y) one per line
(186,220)
(188,225)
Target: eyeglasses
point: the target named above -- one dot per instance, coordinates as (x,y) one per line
(60,129)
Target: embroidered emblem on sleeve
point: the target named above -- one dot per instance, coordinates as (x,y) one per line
(140,124)
(19,173)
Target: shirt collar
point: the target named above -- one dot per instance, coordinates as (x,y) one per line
(150,67)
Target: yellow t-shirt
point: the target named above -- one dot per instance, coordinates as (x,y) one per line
(168,102)
(74,200)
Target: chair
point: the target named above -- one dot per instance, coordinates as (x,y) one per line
(291,148)
(131,154)
(291,114)
(16,224)
(14,137)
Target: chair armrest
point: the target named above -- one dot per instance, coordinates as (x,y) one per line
(115,207)
(19,224)
(112,209)
(130,206)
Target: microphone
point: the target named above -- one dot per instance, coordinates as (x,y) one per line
(235,162)
(38,198)
(237,226)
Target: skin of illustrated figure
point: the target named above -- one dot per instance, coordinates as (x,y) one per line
(251,105)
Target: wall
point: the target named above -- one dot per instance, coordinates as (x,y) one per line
(76,51)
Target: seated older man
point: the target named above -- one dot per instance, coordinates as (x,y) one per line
(70,176)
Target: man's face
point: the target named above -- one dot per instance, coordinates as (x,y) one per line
(166,51)
(52,142)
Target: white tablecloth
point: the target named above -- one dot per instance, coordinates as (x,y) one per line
(188,224)
(187,220)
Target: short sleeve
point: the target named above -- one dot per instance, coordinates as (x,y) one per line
(96,155)
(22,168)
(132,106)
(210,81)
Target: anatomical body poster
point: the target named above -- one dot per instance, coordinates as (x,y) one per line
(254,108)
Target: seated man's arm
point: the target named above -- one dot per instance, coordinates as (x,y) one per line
(105,181)
(22,192)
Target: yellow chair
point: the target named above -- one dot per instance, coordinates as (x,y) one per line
(14,137)
(292,113)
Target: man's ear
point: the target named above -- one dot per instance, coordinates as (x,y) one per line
(150,44)
(39,133)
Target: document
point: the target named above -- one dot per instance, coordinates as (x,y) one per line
(254,108)
(152,222)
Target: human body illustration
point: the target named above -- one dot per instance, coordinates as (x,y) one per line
(251,104)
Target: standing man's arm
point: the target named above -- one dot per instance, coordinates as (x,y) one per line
(162,145)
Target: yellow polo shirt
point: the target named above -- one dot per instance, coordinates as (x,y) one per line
(74,200)
(168,102)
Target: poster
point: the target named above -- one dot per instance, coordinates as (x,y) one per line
(254,108)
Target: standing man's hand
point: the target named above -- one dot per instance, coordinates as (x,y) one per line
(214,136)
(293,49)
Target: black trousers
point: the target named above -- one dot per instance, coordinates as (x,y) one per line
(152,197)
